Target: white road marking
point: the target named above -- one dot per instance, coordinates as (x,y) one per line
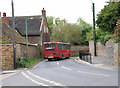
(38,77)
(66,68)
(93,73)
(37,65)
(41,84)
(58,63)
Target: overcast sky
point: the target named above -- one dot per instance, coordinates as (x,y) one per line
(71,10)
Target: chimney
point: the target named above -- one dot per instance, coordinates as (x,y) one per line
(4,14)
(43,13)
(5,19)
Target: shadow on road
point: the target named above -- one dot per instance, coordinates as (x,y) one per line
(53,60)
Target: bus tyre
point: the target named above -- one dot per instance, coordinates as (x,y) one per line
(49,59)
(62,57)
(69,56)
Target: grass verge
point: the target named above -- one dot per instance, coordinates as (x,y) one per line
(74,55)
(27,63)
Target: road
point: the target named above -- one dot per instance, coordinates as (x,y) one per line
(66,72)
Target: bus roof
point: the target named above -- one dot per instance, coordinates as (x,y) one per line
(55,43)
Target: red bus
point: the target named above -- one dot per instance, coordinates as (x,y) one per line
(56,50)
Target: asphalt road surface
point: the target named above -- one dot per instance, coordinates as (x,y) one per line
(65,72)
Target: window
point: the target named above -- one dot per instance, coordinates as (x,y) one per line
(64,47)
(68,47)
(60,46)
(50,46)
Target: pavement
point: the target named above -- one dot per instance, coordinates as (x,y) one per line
(8,73)
(97,62)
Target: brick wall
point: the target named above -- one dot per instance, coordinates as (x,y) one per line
(75,49)
(6,55)
(5,20)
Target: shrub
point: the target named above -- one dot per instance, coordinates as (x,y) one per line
(26,63)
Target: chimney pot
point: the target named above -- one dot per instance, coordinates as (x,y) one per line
(43,12)
(4,14)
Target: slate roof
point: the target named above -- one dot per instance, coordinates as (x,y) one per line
(33,25)
(7,35)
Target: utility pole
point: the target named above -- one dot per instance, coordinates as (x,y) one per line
(14,45)
(94,30)
(26,38)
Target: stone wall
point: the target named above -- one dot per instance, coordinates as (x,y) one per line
(91,47)
(117,54)
(100,50)
(109,53)
(33,51)
(6,56)
(75,49)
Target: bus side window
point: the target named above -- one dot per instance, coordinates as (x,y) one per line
(69,47)
(60,46)
(64,47)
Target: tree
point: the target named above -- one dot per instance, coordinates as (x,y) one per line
(117,31)
(85,28)
(108,16)
(59,21)
(72,33)
(50,23)
(66,33)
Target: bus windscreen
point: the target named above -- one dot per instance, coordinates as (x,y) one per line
(49,46)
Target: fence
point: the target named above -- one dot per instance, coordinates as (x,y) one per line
(85,56)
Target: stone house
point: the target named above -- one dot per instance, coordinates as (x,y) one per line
(37,27)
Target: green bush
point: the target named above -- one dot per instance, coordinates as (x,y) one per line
(75,55)
(26,63)
(41,51)
(104,37)
(101,36)
(20,63)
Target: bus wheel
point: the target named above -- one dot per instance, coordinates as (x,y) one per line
(62,57)
(68,55)
(49,59)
